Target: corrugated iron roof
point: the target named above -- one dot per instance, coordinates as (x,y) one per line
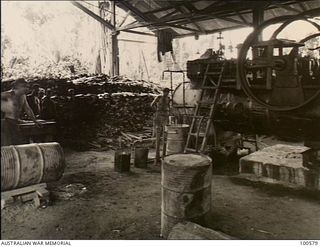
(191,17)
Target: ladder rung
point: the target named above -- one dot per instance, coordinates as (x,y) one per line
(205,102)
(213,73)
(204,117)
(207,87)
(196,134)
(191,149)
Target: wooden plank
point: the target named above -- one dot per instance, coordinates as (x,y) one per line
(24,190)
(32,192)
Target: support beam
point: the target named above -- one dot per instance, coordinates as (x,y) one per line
(141,33)
(154,26)
(231,20)
(114,43)
(192,8)
(141,15)
(125,18)
(242,18)
(93,15)
(257,18)
(170,14)
(134,10)
(209,31)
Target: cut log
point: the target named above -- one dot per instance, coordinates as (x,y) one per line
(191,231)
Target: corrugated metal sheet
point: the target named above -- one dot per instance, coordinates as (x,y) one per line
(199,16)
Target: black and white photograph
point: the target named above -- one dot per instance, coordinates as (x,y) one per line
(160,120)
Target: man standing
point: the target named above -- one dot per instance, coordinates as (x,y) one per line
(33,99)
(48,110)
(162,105)
(13,103)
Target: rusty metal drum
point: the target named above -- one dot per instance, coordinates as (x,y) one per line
(122,161)
(186,190)
(141,157)
(176,138)
(30,164)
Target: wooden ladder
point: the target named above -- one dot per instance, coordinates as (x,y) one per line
(213,77)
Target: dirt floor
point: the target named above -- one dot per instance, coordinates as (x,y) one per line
(92,201)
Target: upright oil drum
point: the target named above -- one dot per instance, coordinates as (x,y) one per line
(186,190)
(176,138)
(141,157)
(122,161)
(29,164)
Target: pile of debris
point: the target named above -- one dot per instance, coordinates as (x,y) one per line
(104,113)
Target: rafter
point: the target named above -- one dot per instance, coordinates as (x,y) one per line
(172,6)
(170,14)
(181,20)
(286,7)
(302,6)
(211,31)
(229,11)
(93,15)
(242,17)
(195,24)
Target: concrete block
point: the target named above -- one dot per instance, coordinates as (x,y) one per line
(282,163)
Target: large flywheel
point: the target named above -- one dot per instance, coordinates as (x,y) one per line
(276,76)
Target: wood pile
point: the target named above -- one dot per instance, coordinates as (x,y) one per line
(104,112)
(92,84)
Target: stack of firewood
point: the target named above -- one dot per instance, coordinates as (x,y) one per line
(104,113)
(98,121)
(93,84)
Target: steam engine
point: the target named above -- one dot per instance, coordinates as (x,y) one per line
(276,91)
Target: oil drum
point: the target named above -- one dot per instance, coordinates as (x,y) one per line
(122,161)
(30,164)
(141,157)
(176,138)
(186,190)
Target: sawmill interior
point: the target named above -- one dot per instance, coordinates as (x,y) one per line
(153,119)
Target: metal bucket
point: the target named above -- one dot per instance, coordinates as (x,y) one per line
(29,164)
(186,190)
(122,161)
(176,138)
(141,157)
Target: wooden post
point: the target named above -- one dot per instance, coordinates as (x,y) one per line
(257,19)
(114,43)
(158,143)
